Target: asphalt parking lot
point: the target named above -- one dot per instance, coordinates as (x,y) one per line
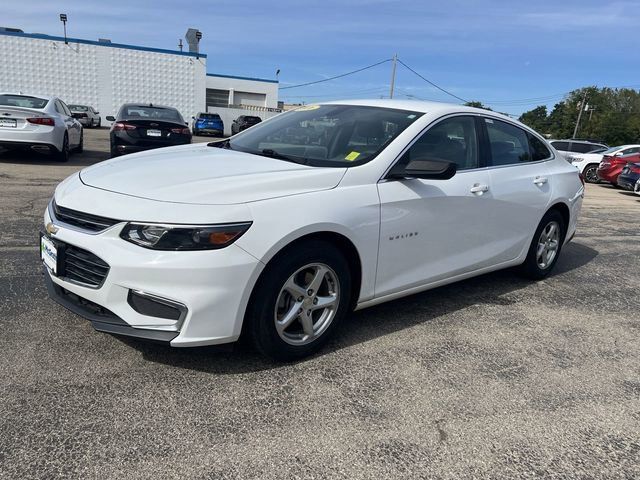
(494,377)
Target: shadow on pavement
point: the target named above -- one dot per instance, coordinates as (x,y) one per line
(26,157)
(370,323)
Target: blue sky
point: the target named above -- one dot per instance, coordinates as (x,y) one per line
(502,52)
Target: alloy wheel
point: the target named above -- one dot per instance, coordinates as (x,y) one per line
(307,304)
(548,245)
(590,174)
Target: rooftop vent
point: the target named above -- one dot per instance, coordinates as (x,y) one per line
(104,40)
(193,39)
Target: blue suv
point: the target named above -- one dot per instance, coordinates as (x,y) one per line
(207,124)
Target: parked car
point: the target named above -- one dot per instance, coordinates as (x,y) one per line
(86,115)
(139,127)
(280,240)
(243,122)
(207,124)
(587,163)
(40,123)
(567,147)
(613,162)
(629,176)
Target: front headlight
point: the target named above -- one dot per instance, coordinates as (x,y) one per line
(183,237)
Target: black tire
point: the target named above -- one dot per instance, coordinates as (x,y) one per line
(80,147)
(260,320)
(531,267)
(99,122)
(590,173)
(196,132)
(63,155)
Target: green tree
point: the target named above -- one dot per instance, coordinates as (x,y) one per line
(476,104)
(537,119)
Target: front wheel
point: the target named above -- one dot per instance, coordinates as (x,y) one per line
(545,246)
(80,147)
(590,174)
(299,302)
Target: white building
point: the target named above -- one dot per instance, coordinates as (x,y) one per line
(105,75)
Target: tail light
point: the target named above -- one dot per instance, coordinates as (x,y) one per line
(120,126)
(183,131)
(42,121)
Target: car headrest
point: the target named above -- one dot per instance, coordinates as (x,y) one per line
(369,129)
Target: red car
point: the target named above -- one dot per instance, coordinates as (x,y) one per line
(614,160)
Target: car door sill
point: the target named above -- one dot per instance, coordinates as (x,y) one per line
(438,283)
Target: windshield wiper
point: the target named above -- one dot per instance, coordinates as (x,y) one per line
(268,152)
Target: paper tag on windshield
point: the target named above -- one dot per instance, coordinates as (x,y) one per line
(352,156)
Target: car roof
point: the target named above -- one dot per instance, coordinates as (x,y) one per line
(147,105)
(573,140)
(23,94)
(421,106)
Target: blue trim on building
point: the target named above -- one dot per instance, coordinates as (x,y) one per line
(42,36)
(241,78)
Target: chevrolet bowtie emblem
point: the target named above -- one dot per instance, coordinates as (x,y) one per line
(51,228)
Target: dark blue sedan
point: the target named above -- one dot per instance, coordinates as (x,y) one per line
(629,175)
(208,124)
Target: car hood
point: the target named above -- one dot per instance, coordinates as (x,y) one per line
(199,174)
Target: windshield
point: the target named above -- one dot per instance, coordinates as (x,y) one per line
(326,135)
(599,150)
(78,108)
(612,150)
(150,113)
(23,101)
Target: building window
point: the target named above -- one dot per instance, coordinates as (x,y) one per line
(217,98)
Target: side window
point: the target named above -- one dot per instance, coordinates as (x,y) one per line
(582,147)
(59,108)
(65,109)
(630,151)
(509,144)
(452,140)
(562,146)
(539,150)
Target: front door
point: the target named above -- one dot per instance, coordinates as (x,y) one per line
(436,229)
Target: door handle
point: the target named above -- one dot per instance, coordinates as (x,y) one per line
(540,180)
(479,189)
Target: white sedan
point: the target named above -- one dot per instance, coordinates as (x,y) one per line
(280,231)
(39,123)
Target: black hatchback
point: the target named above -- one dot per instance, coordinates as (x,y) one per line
(139,127)
(243,122)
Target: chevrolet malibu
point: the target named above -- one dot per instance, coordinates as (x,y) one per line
(280,231)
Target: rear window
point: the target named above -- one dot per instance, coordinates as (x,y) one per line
(151,113)
(564,146)
(209,116)
(78,108)
(252,119)
(23,101)
(583,147)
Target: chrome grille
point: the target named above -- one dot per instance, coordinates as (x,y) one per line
(83,267)
(85,221)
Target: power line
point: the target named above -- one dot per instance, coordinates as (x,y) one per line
(355,92)
(337,76)
(431,83)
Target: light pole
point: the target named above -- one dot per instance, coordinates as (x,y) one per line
(180,44)
(63,19)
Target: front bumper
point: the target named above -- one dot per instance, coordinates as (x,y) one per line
(213,286)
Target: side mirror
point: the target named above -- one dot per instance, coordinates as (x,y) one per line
(111,118)
(186,123)
(426,169)
(193,118)
(97,113)
(619,154)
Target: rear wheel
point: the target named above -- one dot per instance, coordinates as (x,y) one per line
(590,173)
(299,301)
(545,246)
(63,154)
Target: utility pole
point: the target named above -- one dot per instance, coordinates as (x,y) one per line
(582,104)
(393,74)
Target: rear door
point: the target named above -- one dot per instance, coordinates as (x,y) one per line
(520,182)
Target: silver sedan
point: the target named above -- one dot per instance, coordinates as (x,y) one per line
(39,123)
